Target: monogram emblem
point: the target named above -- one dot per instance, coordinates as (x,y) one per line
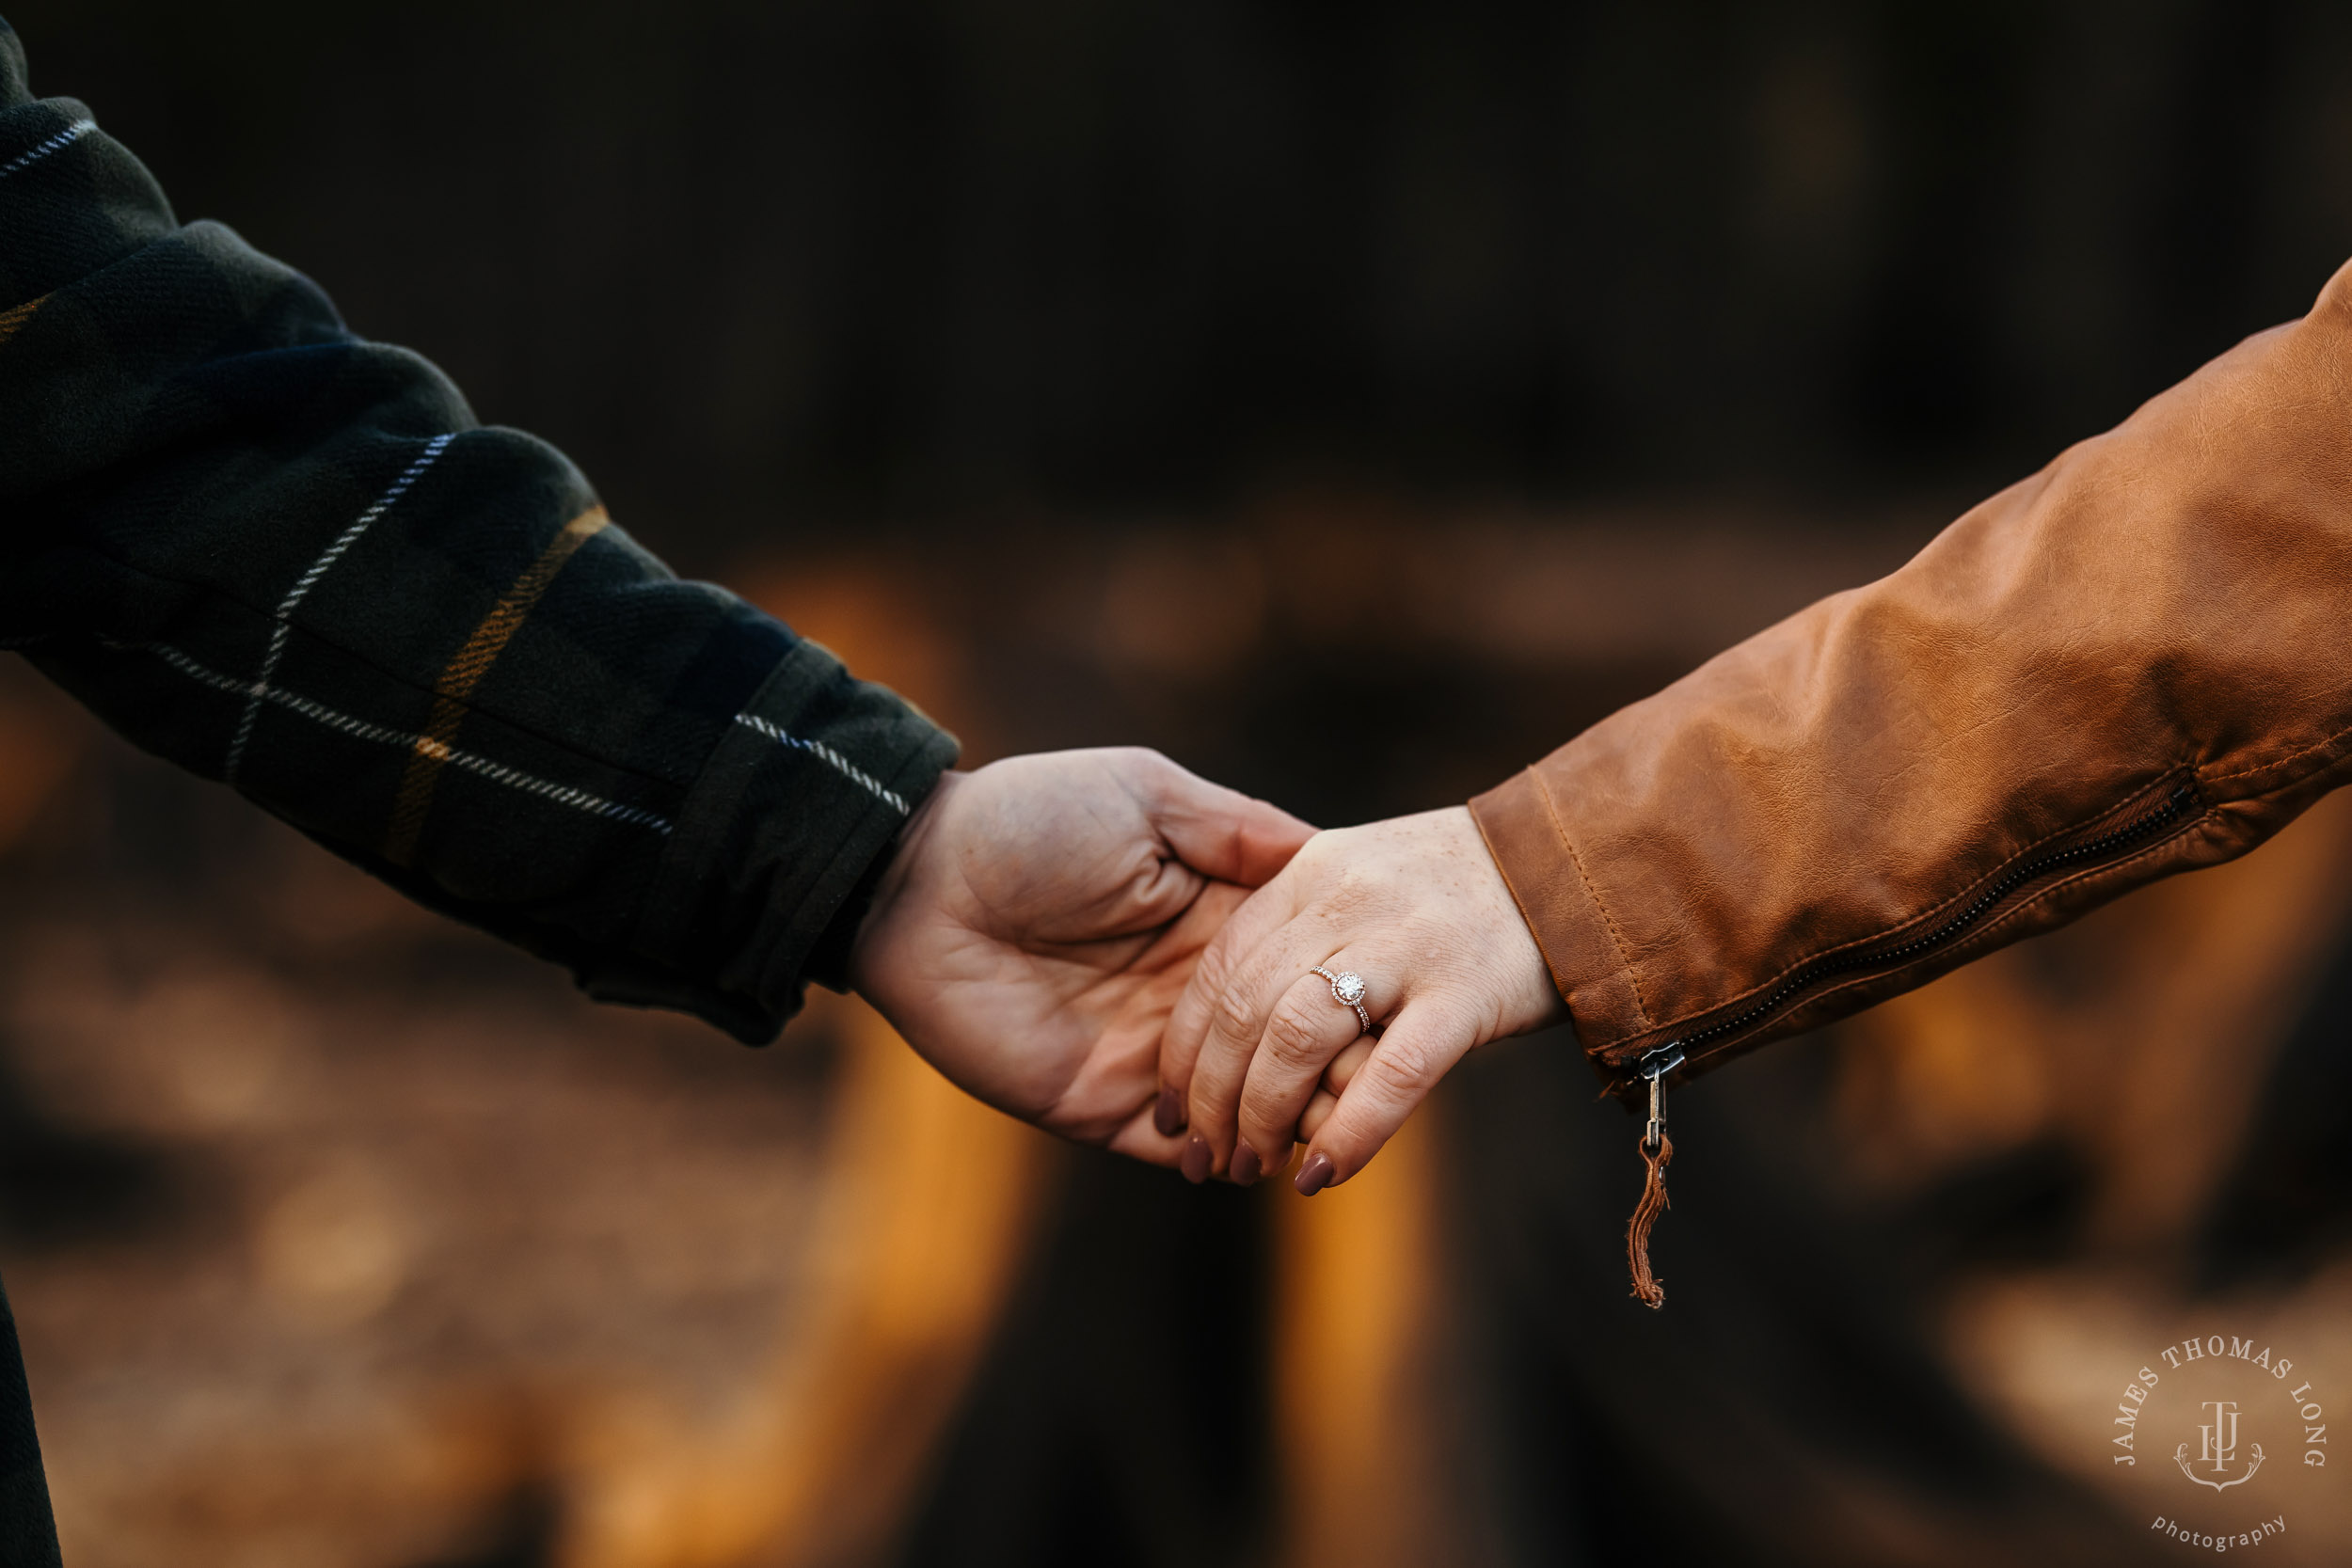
(2250,1397)
(2219,1449)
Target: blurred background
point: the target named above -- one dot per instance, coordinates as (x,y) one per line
(1354,402)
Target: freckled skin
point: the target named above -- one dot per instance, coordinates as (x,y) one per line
(1262,1050)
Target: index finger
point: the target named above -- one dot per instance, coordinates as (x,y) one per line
(1188,1022)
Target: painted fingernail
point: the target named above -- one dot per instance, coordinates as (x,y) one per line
(1169,1115)
(1243,1169)
(1196,1159)
(1315,1174)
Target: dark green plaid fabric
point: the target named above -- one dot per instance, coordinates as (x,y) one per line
(291,559)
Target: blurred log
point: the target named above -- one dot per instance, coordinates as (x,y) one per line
(1355,1302)
(928,1195)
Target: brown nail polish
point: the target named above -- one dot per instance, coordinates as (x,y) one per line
(1315,1174)
(1169,1115)
(1196,1160)
(1243,1169)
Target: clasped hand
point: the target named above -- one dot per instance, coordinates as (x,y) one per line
(1073,938)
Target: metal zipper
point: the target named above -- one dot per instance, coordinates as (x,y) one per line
(1654,1064)
(2146,826)
(1659,1061)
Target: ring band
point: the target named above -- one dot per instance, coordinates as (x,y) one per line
(1347,989)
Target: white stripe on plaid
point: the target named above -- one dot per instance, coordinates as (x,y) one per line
(279,632)
(839,763)
(39,151)
(595,805)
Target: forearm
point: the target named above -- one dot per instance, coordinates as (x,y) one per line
(2130,665)
(289,559)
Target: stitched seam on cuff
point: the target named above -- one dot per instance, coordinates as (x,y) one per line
(1625,960)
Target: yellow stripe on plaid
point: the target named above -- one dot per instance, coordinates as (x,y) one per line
(11,320)
(456,688)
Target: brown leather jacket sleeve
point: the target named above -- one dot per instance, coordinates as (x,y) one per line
(2136,662)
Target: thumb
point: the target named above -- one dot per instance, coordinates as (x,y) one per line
(1219,833)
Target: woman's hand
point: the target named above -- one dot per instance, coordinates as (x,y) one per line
(1040,918)
(1416,907)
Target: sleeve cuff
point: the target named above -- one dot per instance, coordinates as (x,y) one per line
(1589,966)
(800,800)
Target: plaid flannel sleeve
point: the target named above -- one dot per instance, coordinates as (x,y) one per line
(291,559)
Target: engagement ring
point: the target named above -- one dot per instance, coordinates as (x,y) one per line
(1347,989)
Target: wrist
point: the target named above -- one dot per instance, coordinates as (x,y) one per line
(888,900)
(1533,999)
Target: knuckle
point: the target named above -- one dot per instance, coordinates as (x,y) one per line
(1326,849)
(1292,1037)
(1405,1072)
(1236,1013)
(1213,973)
(1351,882)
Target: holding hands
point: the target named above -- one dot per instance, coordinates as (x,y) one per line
(1042,915)
(1265,1046)
(1073,938)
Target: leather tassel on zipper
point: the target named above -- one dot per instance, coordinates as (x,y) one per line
(1658,1151)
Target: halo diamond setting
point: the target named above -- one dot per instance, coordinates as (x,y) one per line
(1347,989)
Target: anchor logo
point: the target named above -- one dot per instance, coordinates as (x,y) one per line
(2220,1448)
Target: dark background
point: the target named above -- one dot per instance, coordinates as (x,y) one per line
(785,266)
(1203,373)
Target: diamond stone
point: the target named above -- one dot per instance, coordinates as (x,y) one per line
(1349,987)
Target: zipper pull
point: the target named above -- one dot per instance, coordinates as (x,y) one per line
(1657,1150)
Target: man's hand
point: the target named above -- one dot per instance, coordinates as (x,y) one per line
(1042,915)
(1259,1048)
